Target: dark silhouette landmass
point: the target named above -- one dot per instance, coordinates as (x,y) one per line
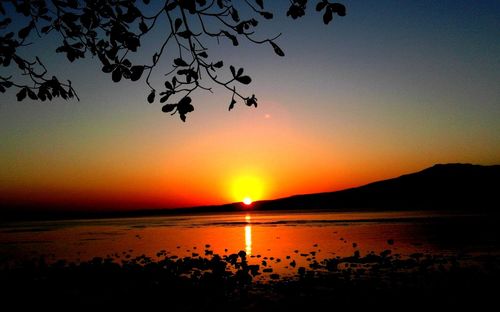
(452,187)
(442,187)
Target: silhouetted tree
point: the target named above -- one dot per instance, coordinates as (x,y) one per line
(113,29)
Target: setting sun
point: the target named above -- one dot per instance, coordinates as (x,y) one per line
(247,189)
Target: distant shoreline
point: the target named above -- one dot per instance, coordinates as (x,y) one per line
(448,188)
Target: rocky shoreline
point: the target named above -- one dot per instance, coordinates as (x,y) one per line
(228,282)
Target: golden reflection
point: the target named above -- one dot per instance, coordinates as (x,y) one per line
(248,235)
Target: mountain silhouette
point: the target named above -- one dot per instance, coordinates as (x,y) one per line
(442,187)
(452,187)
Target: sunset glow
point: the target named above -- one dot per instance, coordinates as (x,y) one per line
(228,155)
(247,189)
(324,123)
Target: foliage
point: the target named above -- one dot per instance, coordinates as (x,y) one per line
(112,30)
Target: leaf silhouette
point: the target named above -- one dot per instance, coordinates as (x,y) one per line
(136,72)
(231,105)
(126,73)
(321,5)
(132,43)
(185,34)
(277,49)
(21,94)
(266,15)
(116,75)
(235,15)
(180,62)
(23,33)
(244,79)
(143,27)
(184,106)
(170,6)
(338,8)
(260,3)
(32,95)
(127,62)
(165,97)
(151,97)
(297,9)
(231,37)
(178,23)
(251,101)
(190,5)
(185,101)
(6,84)
(108,68)
(328,16)
(167,108)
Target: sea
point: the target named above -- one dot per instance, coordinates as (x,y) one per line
(281,240)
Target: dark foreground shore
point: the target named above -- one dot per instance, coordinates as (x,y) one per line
(228,283)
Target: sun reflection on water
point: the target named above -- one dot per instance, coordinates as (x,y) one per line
(248,235)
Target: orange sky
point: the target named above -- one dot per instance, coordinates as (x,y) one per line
(255,153)
(389,89)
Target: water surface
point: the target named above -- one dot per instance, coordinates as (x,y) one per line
(283,240)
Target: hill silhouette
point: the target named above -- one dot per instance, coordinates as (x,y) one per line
(452,187)
(442,187)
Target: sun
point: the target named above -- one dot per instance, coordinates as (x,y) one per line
(247,201)
(247,189)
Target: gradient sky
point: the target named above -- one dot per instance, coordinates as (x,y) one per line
(392,88)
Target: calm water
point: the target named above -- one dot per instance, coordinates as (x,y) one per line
(278,238)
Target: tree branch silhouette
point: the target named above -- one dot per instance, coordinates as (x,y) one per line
(111,30)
